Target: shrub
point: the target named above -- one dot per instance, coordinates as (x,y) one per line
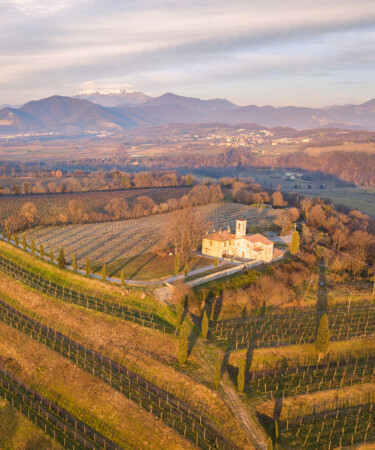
(323,336)
(32,247)
(204,325)
(241,376)
(88,267)
(74,263)
(183,344)
(294,246)
(61,261)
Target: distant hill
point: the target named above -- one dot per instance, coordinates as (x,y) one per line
(63,115)
(76,116)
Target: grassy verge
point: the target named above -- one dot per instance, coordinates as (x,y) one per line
(131,297)
(17,432)
(150,353)
(324,397)
(271,357)
(58,378)
(149,266)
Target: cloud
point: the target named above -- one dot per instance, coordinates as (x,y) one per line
(60,43)
(92,85)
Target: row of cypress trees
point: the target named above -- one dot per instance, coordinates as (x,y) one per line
(61,260)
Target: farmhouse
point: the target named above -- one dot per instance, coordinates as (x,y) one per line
(224,244)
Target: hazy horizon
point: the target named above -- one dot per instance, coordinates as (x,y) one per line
(294,53)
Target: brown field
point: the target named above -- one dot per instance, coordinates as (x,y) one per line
(148,352)
(57,377)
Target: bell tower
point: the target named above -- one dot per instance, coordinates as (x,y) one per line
(240,228)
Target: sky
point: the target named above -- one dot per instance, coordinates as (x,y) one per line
(290,52)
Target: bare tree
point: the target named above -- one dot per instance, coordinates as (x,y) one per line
(185,231)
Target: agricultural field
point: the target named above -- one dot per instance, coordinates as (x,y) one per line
(304,400)
(130,244)
(338,191)
(128,356)
(56,346)
(54,205)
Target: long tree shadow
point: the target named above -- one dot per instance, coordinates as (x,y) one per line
(225,367)
(249,359)
(194,334)
(277,408)
(185,308)
(218,304)
(322,295)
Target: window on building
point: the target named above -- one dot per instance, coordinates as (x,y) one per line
(211,243)
(225,244)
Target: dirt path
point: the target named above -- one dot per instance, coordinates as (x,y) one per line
(236,406)
(233,401)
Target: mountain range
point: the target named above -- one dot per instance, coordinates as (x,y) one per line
(72,116)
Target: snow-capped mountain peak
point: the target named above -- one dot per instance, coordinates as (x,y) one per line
(111,95)
(106,91)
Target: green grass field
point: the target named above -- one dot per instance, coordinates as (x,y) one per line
(149,266)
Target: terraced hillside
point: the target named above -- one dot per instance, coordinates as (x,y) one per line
(111,241)
(54,205)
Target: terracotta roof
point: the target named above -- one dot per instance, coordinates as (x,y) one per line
(254,238)
(277,252)
(220,236)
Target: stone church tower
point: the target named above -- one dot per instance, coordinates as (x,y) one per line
(240,228)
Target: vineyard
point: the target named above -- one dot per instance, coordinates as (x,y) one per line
(48,205)
(296,327)
(181,416)
(64,427)
(342,424)
(82,299)
(284,391)
(105,242)
(300,379)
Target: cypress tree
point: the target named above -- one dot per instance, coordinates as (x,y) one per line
(61,261)
(183,344)
(51,258)
(122,275)
(186,269)
(204,325)
(276,430)
(218,372)
(179,311)
(33,247)
(323,336)
(41,251)
(8,235)
(74,263)
(241,376)
(24,242)
(216,261)
(177,264)
(104,273)
(294,246)
(88,267)
(16,242)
